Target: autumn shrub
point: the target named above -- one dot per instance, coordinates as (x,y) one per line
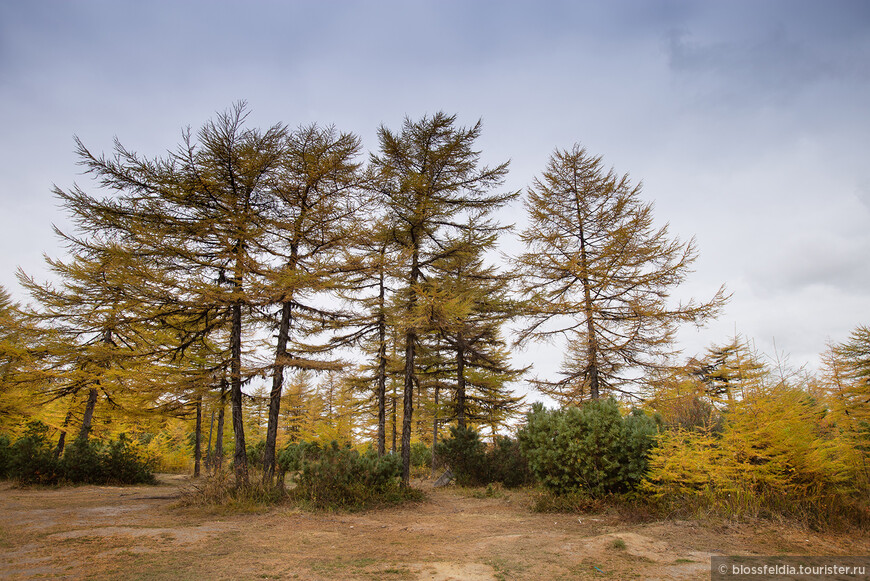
(592,449)
(339,477)
(777,455)
(475,464)
(219,492)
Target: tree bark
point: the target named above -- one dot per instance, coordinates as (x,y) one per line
(240,457)
(460,382)
(435,430)
(197,438)
(89,415)
(219,438)
(61,441)
(275,394)
(382,370)
(410,351)
(591,341)
(395,414)
(209,458)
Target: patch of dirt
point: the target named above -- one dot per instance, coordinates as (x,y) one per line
(138,532)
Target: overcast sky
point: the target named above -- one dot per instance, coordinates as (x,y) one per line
(747,122)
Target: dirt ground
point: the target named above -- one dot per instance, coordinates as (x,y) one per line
(139,532)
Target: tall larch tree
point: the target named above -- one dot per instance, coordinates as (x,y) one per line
(95,332)
(470,301)
(316,208)
(199,214)
(430,178)
(598,272)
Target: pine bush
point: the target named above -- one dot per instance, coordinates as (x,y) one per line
(590,449)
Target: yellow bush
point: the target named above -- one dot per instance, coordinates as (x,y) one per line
(775,455)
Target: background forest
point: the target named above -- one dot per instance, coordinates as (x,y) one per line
(281,280)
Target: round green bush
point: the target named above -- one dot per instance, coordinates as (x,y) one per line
(591,449)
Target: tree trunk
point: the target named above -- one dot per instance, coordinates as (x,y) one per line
(435,430)
(197,438)
(460,382)
(219,438)
(588,310)
(61,441)
(275,394)
(408,405)
(394,415)
(410,351)
(382,370)
(209,459)
(89,415)
(240,457)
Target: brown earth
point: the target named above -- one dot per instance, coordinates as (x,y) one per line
(139,532)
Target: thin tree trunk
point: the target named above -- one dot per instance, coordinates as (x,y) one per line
(89,415)
(197,438)
(410,351)
(382,370)
(408,405)
(435,430)
(240,457)
(395,414)
(460,382)
(219,438)
(275,394)
(588,310)
(61,441)
(209,459)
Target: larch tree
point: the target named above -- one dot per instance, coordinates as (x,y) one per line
(430,178)
(95,332)
(598,272)
(316,204)
(367,270)
(22,348)
(200,215)
(469,302)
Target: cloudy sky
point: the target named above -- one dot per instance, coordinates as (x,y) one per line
(747,122)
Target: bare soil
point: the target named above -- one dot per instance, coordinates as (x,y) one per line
(139,532)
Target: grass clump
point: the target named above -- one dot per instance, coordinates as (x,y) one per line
(219,492)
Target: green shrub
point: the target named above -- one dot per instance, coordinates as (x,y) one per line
(475,464)
(5,455)
(83,462)
(256,452)
(507,464)
(592,449)
(123,464)
(421,455)
(31,458)
(339,477)
(465,454)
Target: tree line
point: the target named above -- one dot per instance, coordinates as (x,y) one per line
(249,252)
